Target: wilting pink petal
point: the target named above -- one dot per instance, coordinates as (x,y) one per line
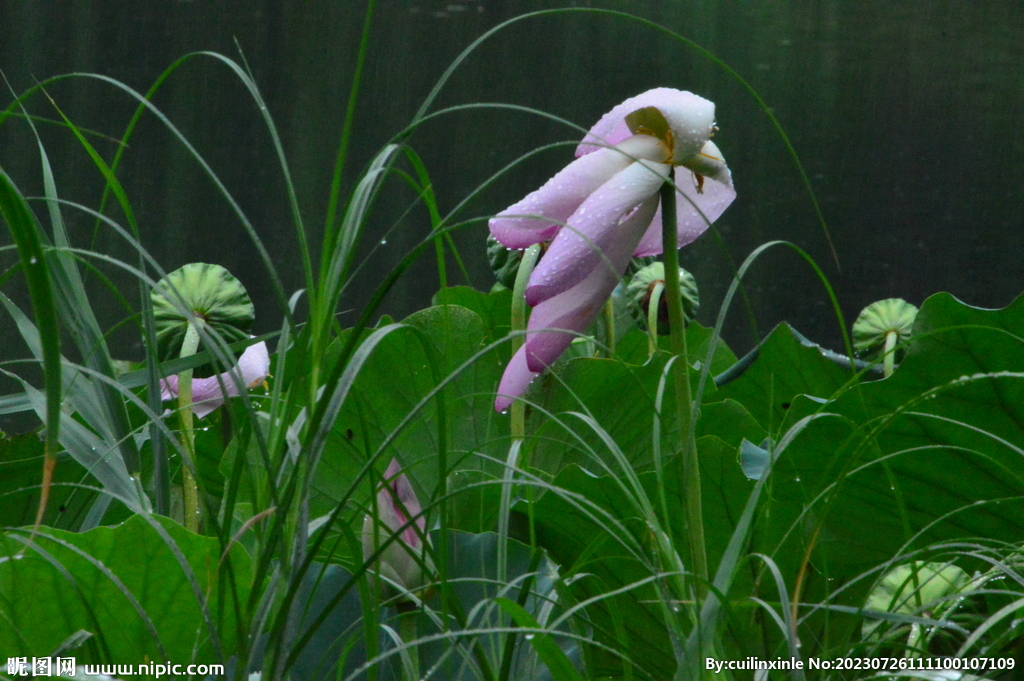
(562,195)
(610,211)
(572,311)
(396,504)
(691,117)
(514,381)
(253,367)
(574,308)
(579,248)
(717,194)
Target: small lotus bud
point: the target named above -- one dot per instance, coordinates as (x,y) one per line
(878,320)
(199,293)
(642,285)
(403,561)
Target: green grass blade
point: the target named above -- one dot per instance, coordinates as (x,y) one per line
(550,654)
(26,235)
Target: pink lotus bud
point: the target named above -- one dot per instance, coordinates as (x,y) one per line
(403,560)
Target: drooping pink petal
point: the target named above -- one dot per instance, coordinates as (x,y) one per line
(575,308)
(252,368)
(610,222)
(579,248)
(562,194)
(254,364)
(690,221)
(514,381)
(572,311)
(691,118)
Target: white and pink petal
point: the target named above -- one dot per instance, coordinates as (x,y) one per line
(629,197)
(694,212)
(691,118)
(541,213)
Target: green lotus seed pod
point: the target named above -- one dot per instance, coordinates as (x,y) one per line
(213,297)
(917,587)
(639,290)
(504,262)
(877,320)
(638,263)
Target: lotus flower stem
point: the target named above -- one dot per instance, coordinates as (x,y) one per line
(889,353)
(652,318)
(191,492)
(609,326)
(690,484)
(408,632)
(526,265)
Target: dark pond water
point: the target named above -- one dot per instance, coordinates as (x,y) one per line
(905,115)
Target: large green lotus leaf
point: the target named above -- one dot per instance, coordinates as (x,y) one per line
(731,422)
(397,376)
(581,543)
(331,617)
(493,308)
(21,469)
(783,366)
(476,500)
(621,398)
(931,454)
(54,591)
(633,347)
(586,549)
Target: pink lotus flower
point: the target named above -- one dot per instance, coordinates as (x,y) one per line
(401,561)
(252,368)
(603,209)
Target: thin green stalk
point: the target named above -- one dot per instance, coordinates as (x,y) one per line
(693,514)
(609,327)
(18,217)
(408,632)
(889,356)
(346,133)
(652,318)
(191,491)
(526,266)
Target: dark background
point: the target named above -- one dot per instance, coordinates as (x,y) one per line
(905,115)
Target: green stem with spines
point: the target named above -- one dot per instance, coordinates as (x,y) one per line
(188,481)
(693,514)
